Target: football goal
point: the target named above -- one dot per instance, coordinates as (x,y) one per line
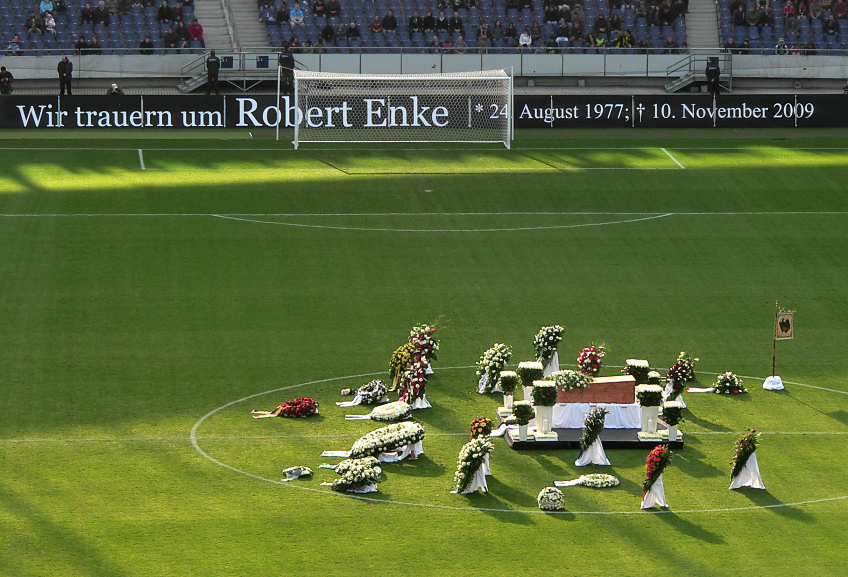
(462,107)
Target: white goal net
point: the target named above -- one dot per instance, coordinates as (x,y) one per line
(466,107)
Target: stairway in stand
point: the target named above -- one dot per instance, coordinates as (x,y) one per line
(251,32)
(210,14)
(702,24)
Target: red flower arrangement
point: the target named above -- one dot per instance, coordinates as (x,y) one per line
(676,377)
(302,407)
(745,447)
(656,463)
(589,360)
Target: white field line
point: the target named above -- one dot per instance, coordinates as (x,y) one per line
(141,159)
(416,214)
(424,149)
(672,157)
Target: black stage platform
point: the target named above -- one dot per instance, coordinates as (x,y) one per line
(570,439)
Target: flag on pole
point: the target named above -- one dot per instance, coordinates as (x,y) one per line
(784,325)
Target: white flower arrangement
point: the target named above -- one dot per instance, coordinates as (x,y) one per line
(637,363)
(649,395)
(546,342)
(373,392)
(544,393)
(391,412)
(492,362)
(470,458)
(357,473)
(598,481)
(507,381)
(654,377)
(550,499)
(570,380)
(387,439)
(638,368)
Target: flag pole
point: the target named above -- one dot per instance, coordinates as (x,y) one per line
(774,341)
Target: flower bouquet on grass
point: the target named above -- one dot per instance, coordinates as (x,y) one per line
(589,360)
(568,380)
(373,392)
(471,457)
(391,412)
(491,363)
(729,384)
(414,382)
(593,424)
(656,463)
(387,439)
(550,499)
(638,369)
(653,378)
(302,407)
(401,360)
(357,474)
(481,427)
(595,481)
(745,447)
(546,341)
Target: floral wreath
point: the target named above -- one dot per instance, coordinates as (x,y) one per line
(655,464)
(589,360)
(302,407)
(372,392)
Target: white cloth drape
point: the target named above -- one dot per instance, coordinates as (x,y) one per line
(481,385)
(477,482)
(594,454)
(656,495)
(429,369)
(773,384)
(749,476)
(485,465)
(421,403)
(553,366)
(571,415)
(344,454)
(700,390)
(415,449)
(499,432)
(572,483)
(390,457)
(357,400)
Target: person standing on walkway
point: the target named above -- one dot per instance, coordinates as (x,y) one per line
(66,73)
(213,65)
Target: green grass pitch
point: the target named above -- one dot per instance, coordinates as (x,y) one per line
(156,289)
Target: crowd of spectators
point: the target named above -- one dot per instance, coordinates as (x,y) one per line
(784,27)
(99,26)
(443,26)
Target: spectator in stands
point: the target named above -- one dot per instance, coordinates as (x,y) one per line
(169,41)
(552,46)
(182,34)
(766,18)
(641,9)
(293,45)
(830,26)
(781,48)
(33,23)
(752,18)
(809,48)
(578,16)
(213,66)
(510,35)
(680,9)
(562,31)
(461,46)
(497,31)
(334,8)
(328,34)
(739,16)
(49,24)
(455,25)
(625,40)
(442,23)
(794,49)
(745,47)
(670,46)
(45,6)
(94,47)
(801,9)
(81,46)
(525,40)
(267,14)
(14,46)
(415,24)
(165,14)
(615,23)
(319,9)
(601,24)
(788,8)
(282,14)
(434,46)
(145,46)
(536,34)
(429,22)
(576,30)
(66,73)
(447,45)
(840,9)
(296,15)
(390,22)
(5,81)
(551,14)
(195,32)
(115,90)
(791,26)
(666,13)
(827,4)
(124,7)
(377,25)
(592,41)
(815,9)
(484,35)
(352,31)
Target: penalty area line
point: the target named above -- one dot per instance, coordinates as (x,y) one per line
(674,159)
(141,159)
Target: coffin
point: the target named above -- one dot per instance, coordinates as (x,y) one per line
(618,389)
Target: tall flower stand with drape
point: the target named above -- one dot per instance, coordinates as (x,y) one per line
(749,476)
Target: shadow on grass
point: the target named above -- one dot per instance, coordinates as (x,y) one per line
(500,497)
(693,458)
(763,498)
(709,426)
(688,527)
(841,416)
(423,466)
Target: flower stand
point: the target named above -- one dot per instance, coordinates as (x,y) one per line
(421,403)
(411,451)
(594,455)
(522,432)
(553,366)
(477,482)
(672,432)
(749,476)
(508,402)
(544,413)
(528,393)
(648,414)
(655,496)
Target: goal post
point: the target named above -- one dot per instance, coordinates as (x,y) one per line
(473,107)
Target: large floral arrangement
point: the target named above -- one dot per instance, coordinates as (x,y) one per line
(589,360)
(302,407)
(656,463)
(470,458)
(545,342)
(649,395)
(421,337)
(544,393)
(387,439)
(523,412)
(414,381)
(568,380)
(550,499)
(391,412)
(507,381)
(638,369)
(745,447)
(481,427)
(598,481)
(593,424)
(680,373)
(357,473)
(672,413)
(529,371)
(373,392)
(729,384)
(401,360)
(492,362)
(654,378)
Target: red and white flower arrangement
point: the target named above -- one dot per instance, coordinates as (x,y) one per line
(745,447)
(589,360)
(302,407)
(655,464)
(414,379)
(729,384)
